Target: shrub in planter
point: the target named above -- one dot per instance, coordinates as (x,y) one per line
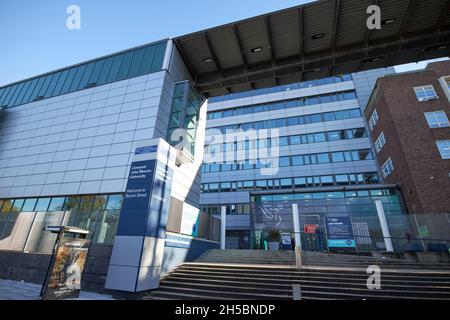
(273,238)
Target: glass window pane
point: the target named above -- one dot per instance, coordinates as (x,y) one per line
(125,66)
(42,204)
(9,96)
(7,205)
(115,67)
(315,118)
(87,74)
(86,203)
(114,202)
(16,94)
(136,64)
(106,225)
(18,203)
(15,231)
(44,88)
(323,158)
(5,94)
(40,240)
(77,78)
(2,91)
(158,59)
(96,72)
(56,204)
(60,83)
(29,205)
(52,86)
(72,203)
(102,79)
(36,90)
(146,65)
(69,80)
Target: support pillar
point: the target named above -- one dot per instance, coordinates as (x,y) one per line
(298,236)
(223,226)
(384,226)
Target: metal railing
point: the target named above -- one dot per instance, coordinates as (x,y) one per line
(364,243)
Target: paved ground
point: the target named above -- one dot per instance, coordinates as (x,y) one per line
(13,290)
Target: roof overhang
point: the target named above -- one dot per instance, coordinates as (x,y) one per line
(315,40)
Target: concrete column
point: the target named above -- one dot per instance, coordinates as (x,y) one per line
(384,226)
(223,226)
(298,236)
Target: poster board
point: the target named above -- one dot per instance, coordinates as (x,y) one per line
(64,279)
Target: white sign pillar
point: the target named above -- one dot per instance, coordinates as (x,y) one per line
(223,226)
(384,226)
(298,236)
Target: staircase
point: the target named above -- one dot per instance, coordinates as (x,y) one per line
(313,259)
(234,256)
(262,275)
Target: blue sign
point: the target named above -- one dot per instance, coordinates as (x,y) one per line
(144,150)
(134,212)
(340,232)
(177,241)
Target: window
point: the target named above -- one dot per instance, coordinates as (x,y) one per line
(284,162)
(425,93)
(387,168)
(380,142)
(444,148)
(373,120)
(437,119)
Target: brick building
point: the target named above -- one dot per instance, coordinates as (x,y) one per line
(408,119)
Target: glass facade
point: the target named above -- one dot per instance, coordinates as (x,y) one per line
(293,121)
(284,104)
(293,140)
(132,63)
(292,183)
(275,212)
(288,87)
(291,161)
(185,113)
(22,220)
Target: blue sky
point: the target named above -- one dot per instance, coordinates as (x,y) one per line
(35,38)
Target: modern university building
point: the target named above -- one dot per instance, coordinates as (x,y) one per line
(324,162)
(115,145)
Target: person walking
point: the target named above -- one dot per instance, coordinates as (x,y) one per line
(319,238)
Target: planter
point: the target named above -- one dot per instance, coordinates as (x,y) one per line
(274,246)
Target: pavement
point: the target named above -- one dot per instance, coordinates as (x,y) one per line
(15,290)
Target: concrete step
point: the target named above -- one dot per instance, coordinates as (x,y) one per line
(263,281)
(262,275)
(291,272)
(310,258)
(240,287)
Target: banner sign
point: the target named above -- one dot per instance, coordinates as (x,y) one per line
(340,232)
(310,228)
(136,199)
(64,280)
(189,220)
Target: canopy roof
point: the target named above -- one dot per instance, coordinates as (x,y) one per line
(314,40)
